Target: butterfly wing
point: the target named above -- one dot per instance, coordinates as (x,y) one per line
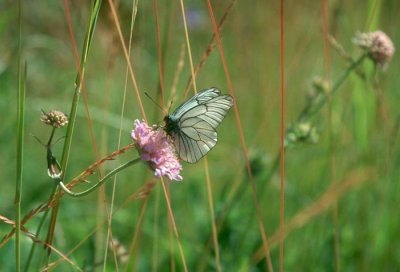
(197,120)
(200,98)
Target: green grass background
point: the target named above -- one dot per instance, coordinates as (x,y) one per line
(368,216)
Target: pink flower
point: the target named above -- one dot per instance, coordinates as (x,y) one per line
(157,149)
(378,44)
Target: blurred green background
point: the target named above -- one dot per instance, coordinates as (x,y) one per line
(361,136)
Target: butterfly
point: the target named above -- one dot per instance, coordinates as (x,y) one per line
(193,124)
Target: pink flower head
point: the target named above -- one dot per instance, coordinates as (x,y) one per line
(378,44)
(157,149)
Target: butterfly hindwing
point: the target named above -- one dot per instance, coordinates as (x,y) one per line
(193,124)
(196,138)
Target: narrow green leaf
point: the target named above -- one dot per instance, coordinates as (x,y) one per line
(74,108)
(20,157)
(20,144)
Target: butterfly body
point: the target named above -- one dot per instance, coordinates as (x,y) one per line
(171,124)
(193,124)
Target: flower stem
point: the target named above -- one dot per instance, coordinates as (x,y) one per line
(308,112)
(101,181)
(51,137)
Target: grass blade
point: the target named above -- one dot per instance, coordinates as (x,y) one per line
(20,157)
(20,145)
(74,107)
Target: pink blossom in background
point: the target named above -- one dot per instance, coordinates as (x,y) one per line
(379,45)
(157,149)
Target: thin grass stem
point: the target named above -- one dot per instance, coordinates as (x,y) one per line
(212,216)
(20,145)
(73,112)
(125,50)
(174,228)
(242,140)
(188,45)
(20,158)
(154,258)
(331,148)
(282,146)
(136,237)
(39,228)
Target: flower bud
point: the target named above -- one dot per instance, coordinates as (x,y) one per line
(54,118)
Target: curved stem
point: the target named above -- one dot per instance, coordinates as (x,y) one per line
(101,181)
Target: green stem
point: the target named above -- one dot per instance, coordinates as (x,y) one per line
(20,145)
(73,112)
(101,181)
(51,137)
(308,112)
(20,156)
(78,84)
(33,247)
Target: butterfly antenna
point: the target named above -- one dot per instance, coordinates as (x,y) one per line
(158,105)
(170,105)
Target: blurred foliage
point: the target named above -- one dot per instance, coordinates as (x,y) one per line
(363,133)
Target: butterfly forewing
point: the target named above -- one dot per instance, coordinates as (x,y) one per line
(199,99)
(193,124)
(217,109)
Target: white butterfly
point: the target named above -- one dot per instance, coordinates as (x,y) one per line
(192,125)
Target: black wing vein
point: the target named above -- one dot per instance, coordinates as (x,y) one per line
(197,120)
